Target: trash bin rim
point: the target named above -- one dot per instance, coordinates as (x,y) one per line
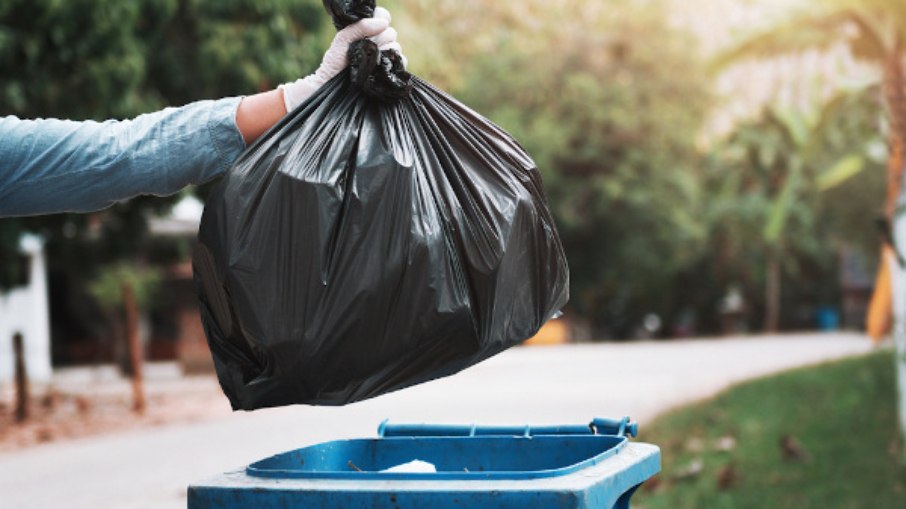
(258,469)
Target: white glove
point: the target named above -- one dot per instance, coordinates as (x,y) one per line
(378,29)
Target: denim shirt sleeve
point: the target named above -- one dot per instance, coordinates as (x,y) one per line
(49,166)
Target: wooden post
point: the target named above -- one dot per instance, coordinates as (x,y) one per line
(22,396)
(135,349)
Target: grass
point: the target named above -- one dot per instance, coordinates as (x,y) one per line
(820,437)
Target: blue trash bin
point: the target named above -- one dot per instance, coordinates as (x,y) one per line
(590,466)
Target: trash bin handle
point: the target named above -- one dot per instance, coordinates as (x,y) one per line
(621,427)
(598,426)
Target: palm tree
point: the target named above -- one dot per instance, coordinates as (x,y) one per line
(789,159)
(875,32)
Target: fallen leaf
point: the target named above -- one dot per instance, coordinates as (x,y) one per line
(727,477)
(793,450)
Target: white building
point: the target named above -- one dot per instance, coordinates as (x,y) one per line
(24,310)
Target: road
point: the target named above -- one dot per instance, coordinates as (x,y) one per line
(566,384)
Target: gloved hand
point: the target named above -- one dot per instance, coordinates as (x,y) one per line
(378,29)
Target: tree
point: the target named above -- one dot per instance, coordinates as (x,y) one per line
(774,204)
(124,292)
(875,32)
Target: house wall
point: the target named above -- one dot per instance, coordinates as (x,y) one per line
(25,310)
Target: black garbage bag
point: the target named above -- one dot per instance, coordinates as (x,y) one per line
(381,235)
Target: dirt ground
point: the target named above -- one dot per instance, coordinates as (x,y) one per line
(85,402)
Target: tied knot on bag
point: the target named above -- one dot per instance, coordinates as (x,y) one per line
(347,12)
(377,74)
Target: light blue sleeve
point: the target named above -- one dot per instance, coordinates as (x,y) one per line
(49,166)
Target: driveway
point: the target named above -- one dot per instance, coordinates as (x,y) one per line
(564,384)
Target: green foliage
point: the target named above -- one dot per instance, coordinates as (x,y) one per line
(111,59)
(107,288)
(843,416)
(849,210)
(766,199)
(208,49)
(847,168)
(72,59)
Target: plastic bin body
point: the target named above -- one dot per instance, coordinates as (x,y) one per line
(572,471)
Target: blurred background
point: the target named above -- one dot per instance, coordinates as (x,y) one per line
(715,167)
(704,181)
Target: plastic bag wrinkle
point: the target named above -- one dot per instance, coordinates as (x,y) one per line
(364,246)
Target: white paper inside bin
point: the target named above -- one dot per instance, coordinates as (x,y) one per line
(413,467)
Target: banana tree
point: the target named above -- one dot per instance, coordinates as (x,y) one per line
(875,33)
(773,172)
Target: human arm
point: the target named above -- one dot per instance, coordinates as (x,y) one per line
(49,166)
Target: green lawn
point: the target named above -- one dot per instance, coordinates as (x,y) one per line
(821,437)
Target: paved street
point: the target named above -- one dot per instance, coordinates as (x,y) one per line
(151,468)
